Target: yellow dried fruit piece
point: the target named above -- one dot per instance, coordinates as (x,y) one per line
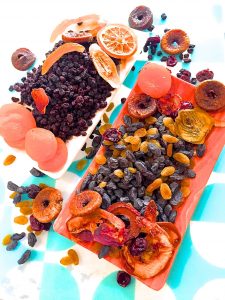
(116,153)
(181,158)
(110,107)
(185,191)
(104,127)
(81,164)
(26,210)
(107,143)
(144,147)
(29,229)
(87,150)
(169,150)
(167,121)
(66,261)
(150,120)
(6,240)
(170,138)
(172,129)
(135,147)
(38,232)
(132,170)
(155,142)
(102,184)
(141,132)
(105,118)
(43,186)
(185,182)
(167,171)
(123,153)
(133,140)
(119,173)
(13,195)
(165,191)
(25,203)
(22,220)
(93,170)
(100,159)
(74,256)
(152,131)
(9,160)
(154,185)
(193,125)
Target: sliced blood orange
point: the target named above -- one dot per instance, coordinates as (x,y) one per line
(117,40)
(154,80)
(40,144)
(58,161)
(104,65)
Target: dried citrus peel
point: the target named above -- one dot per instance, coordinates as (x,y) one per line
(41,99)
(104,65)
(58,53)
(193,125)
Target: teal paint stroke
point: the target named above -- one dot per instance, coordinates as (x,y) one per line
(73,167)
(132,76)
(56,242)
(58,284)
(220,164)
(110,290)
(115,113)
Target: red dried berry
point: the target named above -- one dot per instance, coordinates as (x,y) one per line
(186,105)
(112,135)
(204,75)
(171,61)
(169,105)
(123,278)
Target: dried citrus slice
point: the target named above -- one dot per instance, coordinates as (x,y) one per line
(117,40)
(104,65)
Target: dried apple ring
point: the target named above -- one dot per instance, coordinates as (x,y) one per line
(85,203)
(47,205)
(175,41)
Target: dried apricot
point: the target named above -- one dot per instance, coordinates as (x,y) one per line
(165,191)
(9,160)
(22,220)
(182,158)
(185,191)
(169,150)
(74,256)
(81,164)
(66,261)
(6,240)
(167,171)
(100,159)
(141,132)
(154,185)
(169,138)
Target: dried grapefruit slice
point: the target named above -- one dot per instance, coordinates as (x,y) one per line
(57,162)
(117,40)
(104,65)
(40,144)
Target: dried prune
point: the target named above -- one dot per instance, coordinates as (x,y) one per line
(22,59)
(12,245)
(176,198)
(200,150)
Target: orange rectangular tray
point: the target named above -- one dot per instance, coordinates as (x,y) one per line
(203,168)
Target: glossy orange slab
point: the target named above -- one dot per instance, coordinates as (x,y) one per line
(203,167)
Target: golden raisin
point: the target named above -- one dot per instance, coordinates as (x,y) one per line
(119,173)
(26,210)
(87,150)
(154,185)
(133,140)
(155,142)
(185,191)
(105,118)
(66,261)
(38,232)
(132,170)
(144,147)
(167,121)
(81,164)
(29,229)
(102,184)
(152,131)
(182,158)
(169,150)
(167,171)
(172,129)
(43,186)
(185,182)
(100,159)
(9,160)
(150,120)
(170,138)
(6,240)
(110,107)
(165,191)
(74,256)
(13,195)
(22,220)
(135,147)
(93,170)
(104,127)
(107,143)
(25,203)
(192,163)
(123,153)
(116,153)
(141,132)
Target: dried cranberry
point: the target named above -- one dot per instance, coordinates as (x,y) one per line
(185,73)
(112,135)
(204,75)
(185,78)
(123,278)
(186,105)
(38,226)
(153,40)
(85,236)
(171,61)
(138,246)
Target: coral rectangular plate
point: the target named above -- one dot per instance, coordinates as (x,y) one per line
(203,167)
(76,143)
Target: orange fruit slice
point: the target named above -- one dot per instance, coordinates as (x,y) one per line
(117,40)
(104,65)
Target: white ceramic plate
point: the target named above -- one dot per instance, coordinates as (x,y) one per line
(76,143)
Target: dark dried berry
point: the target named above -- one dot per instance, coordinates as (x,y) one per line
(123,162)
(38,226)
(204,75)
(167,209)
(163,58)
(21,190)
(12,186)
(113,163)
(12,245)
(125,199)
(123,100)
(186,105)
(190,173)
(92,153)
(18,236)
(17,198)
(36,173)
(123,278)
(85,182)
(31,239)
(138,204)
(24,257)
(200,150)
(103,251)
(151,28)
(138,246)
(163,16)
(33,190)
(140,166)
(171,61)
(172,216)
(159,53)
(176,198)
(112,135)
(130,156)
(133,68)
(193,80)
(127,120)
(96,141)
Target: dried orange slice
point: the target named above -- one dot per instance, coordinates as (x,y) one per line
(117,40)
(104,65)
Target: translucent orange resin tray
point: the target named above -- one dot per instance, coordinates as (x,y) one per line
(203,168)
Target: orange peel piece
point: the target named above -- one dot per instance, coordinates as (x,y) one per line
(41,99)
